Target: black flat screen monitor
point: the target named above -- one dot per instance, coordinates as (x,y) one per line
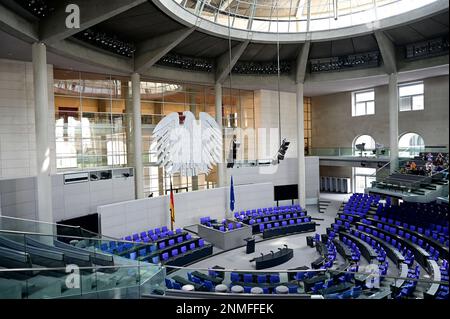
(286,192)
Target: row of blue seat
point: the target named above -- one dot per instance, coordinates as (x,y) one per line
(176,252)
(275,218)
(284,223)
(152,235)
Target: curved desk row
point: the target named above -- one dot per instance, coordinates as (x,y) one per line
(391,251)
(443,250)
(435,272)
(420,254)
(289,229)
(366,250)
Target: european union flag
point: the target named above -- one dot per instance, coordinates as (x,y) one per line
(231,195)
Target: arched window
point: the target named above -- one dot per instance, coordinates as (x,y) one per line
(369,145)
(410,145)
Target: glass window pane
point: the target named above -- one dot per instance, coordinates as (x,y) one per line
(417,102)
(405,104)
(360,109)
(370,107)
(413,89)
(365,96)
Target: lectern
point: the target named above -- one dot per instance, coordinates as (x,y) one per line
(250,245)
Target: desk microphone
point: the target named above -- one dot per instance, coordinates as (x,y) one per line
(285,246)
(272,252)
(262,255)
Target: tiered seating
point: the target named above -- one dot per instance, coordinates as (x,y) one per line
(276,221)
(161,245)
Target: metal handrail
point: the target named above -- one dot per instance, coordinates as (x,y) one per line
(139,266)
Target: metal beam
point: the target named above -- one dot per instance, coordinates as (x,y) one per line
(53,28)
(226,61)
(387,49)
(302,62)
(17,26)
(83,53)
(152,50)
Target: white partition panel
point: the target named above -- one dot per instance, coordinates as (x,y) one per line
(125,218)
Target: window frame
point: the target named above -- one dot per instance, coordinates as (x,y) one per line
(411,97)
(354,103)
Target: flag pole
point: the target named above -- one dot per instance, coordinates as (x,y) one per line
(172,205)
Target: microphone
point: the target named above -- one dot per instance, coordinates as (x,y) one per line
(272,252)
(285,245)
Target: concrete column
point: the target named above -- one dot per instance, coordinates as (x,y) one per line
(393,121)
(219,120)
(129,123)
(41,115)
(137,135)
(301,146)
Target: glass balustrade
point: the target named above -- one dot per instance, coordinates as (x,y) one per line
(340,283)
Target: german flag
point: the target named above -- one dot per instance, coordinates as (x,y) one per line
(172,206)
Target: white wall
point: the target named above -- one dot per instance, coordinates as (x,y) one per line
(285,173)
(17,131)
(129,217)
(18,196)
(334,126)
(266,117)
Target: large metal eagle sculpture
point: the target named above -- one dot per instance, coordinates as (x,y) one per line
(188,146)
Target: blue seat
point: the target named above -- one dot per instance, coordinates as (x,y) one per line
(174,252)
(180,239)
(165,256)
(143,235)
(133,255)
(155,260)
(178,231)
(274,279)
(188,237)
(168,283)
(201,243)
(234,277)
(142,252)
(162,245)
(192,246)
(171,242)
(157,231)
(183,249)
(248,278)
(262,279)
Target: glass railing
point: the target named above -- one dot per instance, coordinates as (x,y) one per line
(40,265)
(348,151)
(344,282)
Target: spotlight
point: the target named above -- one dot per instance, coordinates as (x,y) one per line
(282,150)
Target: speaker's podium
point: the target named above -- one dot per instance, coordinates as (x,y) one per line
(250,245)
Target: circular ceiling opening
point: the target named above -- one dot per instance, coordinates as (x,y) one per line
(291,17)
